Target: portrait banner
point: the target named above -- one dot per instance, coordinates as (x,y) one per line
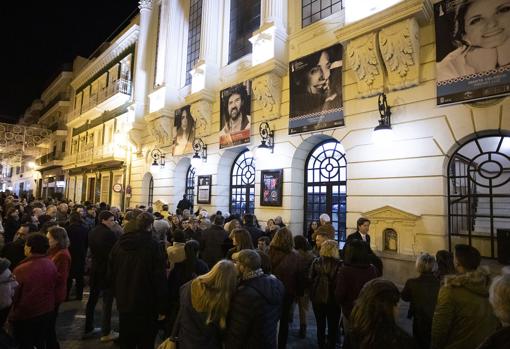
(184,131)
(472,50)
(316,91)
(235,115)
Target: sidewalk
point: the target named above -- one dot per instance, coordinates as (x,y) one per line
(71,322)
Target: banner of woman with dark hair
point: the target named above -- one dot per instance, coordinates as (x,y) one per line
(316,91)
(184,131)
(235,118)
(472,49)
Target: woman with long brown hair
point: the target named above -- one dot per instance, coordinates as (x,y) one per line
(241,239)
(287,266)
(204,305)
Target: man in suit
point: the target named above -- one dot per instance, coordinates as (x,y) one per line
(361,233)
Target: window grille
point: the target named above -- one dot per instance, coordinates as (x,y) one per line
(315,10)
(242,184)
(244,20)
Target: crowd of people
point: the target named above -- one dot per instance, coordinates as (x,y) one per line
(201,280)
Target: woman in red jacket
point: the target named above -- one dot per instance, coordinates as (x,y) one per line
(59,254)
(34,300)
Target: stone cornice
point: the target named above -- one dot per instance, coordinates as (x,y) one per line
(127,39)
(422,10)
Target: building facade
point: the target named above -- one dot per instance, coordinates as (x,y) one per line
(442,179)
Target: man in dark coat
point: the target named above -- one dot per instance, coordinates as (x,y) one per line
(184,204)
(101,241)
(15,251)
(361,233)
(255,308)
(249,224)
(136,270)
(214,242)
(79,239)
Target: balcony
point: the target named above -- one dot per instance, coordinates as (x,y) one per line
(49,161)
(95,155)
(61,97)
(108,98)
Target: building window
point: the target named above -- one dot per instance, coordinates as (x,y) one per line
(190,185)
(244,20)
(242,185)
(315,10)
(326,186)
(478,193)
(195,27)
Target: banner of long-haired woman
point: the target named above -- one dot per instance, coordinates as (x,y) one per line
(184,131)
(235,119)
(472,49)
(316,91)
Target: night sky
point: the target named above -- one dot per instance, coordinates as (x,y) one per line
(38,37)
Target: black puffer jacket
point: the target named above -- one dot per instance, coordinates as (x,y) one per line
(254,314)
(213,245)
(101,241)
(136,271)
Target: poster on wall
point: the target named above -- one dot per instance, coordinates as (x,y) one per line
(204,189)
(316,91)
(184,131)
(271,191)
(472,50)
(235,118)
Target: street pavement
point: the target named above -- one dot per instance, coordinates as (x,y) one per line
(71,322)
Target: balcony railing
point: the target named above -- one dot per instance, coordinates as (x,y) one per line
(43,160)
(120,86)
(63,96)
(92,155)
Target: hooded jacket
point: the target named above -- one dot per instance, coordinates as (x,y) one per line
(463,317)
(136,272)
(254,314)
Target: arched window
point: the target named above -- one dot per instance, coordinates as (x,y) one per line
(326,185)
(242,184)
(150,198)
(190,185)
(479,193)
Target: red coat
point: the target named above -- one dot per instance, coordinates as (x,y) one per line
(35,295)
(62,260)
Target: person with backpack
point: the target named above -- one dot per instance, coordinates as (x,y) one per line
(323,274)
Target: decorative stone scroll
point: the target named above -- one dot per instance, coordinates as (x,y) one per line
(202,113)
(400,49)
(267,90)
(161,130)
(364,60)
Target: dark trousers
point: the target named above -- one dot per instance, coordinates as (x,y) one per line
(107,310)
(327,314)
(51,339)
(32,332)
(137,331)
(79,285)
(283,332)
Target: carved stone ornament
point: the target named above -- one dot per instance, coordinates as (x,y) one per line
(267,90)
(161,130)
(400,49)
(364,60)
(145,4)
(202,113)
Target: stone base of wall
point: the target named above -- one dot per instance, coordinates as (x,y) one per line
(398,267)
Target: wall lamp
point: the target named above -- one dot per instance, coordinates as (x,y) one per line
(158,157)
(383,132)
(200,149)
(267,139)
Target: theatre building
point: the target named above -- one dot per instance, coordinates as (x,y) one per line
(297,108)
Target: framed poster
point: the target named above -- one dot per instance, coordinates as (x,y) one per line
(316,91)
(472,57)
(184,131)
(235,118)
(204,189)
(271,187)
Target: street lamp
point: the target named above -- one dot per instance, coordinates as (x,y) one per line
(200,155)
(158,157)
(383,133)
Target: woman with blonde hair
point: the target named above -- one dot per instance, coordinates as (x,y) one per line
(323,273)
(287,266)
(204,305)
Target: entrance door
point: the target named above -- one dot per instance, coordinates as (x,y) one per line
(91,189)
